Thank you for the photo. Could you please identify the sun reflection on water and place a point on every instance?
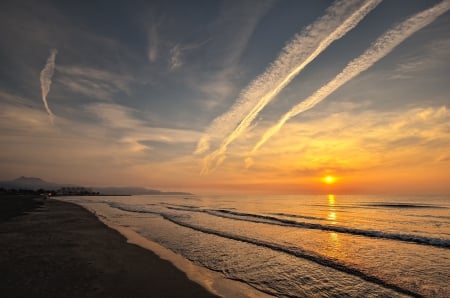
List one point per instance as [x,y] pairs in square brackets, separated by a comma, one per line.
[334,237]
[331,200]
[334,243]
[334,248]
[332,215]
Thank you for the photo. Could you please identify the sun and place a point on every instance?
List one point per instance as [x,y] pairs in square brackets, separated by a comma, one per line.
[329,179]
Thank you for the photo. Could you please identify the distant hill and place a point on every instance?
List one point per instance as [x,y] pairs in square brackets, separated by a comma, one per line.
[32,183]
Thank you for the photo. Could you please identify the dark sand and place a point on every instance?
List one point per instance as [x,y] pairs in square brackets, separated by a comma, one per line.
[62,250]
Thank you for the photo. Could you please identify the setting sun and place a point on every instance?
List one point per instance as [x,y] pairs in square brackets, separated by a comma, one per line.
[329,179]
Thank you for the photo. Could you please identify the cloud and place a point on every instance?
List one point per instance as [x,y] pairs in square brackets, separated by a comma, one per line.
[20,117]
[153,43]
[340,18]
[215,75]
[46,81]
[123,122]
[432,56]
[114,115]
[175,58]
[215,88]
[177,52]
[72,144]
[355,140]
[105,146]
[380,48]
[232,30]
[95,83]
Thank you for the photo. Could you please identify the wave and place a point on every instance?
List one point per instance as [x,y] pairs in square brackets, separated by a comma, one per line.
[265,219]
[438,242]
[402,205]
[176,205]
[257,218]
[192,198]
[429,216]
[297,216]
[131,208]
[387,205]
[297,252]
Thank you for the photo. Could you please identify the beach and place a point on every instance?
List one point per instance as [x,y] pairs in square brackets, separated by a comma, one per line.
[59,249]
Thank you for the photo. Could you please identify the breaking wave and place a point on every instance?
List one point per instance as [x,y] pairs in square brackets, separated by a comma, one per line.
[266,219]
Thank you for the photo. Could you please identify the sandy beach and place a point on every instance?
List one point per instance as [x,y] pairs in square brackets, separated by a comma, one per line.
[59,249]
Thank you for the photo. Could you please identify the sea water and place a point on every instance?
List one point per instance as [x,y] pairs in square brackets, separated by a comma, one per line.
[300,246]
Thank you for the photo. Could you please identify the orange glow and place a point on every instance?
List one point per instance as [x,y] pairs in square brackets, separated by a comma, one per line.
[331,200]
[329,179]
[332,211]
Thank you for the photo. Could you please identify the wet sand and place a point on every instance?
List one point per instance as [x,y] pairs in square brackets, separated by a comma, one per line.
[61,250]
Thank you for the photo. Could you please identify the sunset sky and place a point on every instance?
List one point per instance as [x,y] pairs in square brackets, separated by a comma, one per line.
[228,96]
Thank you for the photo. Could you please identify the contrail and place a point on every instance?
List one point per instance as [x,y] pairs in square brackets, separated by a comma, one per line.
[46,80]
[303,49]
[380,48]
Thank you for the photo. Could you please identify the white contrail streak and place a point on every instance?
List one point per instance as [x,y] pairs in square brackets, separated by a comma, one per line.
[46,80]
[302,50]
[380,48]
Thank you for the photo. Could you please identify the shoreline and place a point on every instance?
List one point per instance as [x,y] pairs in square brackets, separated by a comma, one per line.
[61,249]
[213,281]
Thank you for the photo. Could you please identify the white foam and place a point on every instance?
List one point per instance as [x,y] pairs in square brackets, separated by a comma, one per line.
[214,282]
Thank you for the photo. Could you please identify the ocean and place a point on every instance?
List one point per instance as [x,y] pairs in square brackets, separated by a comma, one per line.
[296,245]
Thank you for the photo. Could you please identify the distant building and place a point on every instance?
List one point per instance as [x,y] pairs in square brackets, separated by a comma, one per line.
[75,191]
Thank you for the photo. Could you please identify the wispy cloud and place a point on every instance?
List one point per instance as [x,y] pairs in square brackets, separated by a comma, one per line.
[20,117]
[128,128]
[234,28]
[339,18]
[46,81]
[380,48]
[355,139]
[153,42]
[434,54]
[175,58]
[116,137]
[214,75]
[114,115]
[177,52]
[95,83]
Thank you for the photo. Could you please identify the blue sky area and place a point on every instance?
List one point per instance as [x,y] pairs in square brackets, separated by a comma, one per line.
[186,95]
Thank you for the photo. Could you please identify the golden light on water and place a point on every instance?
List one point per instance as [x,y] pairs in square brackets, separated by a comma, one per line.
[331,200]
[334,236]
[332,216]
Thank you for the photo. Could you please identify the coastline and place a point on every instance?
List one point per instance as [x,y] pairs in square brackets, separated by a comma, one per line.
[213,281]
[62,250]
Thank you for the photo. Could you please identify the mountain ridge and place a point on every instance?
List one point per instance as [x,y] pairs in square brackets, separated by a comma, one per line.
[35,183]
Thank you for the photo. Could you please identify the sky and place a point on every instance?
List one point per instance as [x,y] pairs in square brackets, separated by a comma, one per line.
[260,96]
